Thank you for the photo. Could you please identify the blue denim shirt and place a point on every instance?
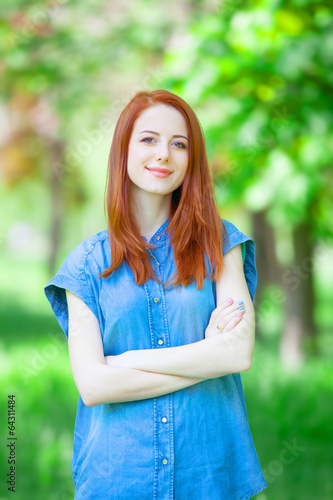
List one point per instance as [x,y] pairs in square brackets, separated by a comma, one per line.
[191,444]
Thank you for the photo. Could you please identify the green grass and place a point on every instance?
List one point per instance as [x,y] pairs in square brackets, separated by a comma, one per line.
[34,365]
[290,413]
[290,418]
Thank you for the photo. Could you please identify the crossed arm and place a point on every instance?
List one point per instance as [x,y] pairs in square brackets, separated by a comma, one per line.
[148,373]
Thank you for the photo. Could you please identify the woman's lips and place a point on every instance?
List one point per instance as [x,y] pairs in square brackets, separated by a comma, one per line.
[159,172]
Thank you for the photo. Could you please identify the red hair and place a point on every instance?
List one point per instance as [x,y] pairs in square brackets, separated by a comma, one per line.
[195,226]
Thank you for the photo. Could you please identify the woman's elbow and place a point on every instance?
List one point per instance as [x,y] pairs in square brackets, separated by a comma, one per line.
[246,364]
[242,351]
[88,399]
[92,398]
[95,391]
[247,356]
[87,402]
[89,392]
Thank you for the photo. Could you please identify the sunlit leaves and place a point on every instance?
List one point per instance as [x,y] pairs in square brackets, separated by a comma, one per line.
[267,110]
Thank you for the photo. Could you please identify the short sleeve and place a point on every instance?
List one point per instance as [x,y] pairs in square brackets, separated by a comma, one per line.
[232,237]
[73,276]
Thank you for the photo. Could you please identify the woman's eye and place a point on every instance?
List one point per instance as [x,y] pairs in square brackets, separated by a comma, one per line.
[179,144]
[148,140]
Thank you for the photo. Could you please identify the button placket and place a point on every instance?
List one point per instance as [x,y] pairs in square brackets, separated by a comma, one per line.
[164,445]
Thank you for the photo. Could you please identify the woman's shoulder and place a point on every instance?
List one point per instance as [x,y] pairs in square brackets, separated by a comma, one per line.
[89,256]
[78,274]
[233,236]
[229,228]
[91,245]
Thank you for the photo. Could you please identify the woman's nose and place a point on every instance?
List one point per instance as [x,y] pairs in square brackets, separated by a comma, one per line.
[162,153]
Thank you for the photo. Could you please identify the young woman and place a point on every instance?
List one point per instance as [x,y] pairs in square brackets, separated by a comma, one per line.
[159,319]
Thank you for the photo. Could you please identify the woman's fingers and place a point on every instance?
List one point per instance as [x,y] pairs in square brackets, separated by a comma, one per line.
[225,317]
[228,315]
[233,322]
[226,308]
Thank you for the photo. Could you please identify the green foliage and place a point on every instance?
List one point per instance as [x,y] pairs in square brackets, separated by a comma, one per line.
[260,76]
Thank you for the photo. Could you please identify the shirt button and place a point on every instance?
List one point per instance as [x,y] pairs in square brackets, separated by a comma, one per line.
[156,300]
[157,238]
[160,341]
[164,419]
[165,461]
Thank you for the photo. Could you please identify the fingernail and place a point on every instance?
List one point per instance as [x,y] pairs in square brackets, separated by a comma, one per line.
[240,302]
[229,301]
[241,308]
[239,315]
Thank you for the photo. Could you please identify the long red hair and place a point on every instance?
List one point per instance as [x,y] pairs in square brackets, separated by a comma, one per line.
[195,227]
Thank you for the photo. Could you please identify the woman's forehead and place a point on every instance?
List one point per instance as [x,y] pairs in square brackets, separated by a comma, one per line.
[162,117]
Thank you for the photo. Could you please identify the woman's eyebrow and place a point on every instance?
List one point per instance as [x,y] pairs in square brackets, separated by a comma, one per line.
[156,133]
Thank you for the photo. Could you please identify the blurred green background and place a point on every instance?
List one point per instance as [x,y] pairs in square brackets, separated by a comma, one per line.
[259,75]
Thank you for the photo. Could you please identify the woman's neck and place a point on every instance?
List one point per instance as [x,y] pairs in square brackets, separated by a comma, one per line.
[150,213]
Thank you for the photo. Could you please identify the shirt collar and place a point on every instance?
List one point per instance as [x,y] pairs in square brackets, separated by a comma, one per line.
[161,234]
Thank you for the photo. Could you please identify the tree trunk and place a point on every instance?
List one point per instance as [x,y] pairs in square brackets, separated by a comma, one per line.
[56,179]
[298,282]
[267,264]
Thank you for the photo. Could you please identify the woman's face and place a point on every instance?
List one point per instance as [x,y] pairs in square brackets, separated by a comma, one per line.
[158,151]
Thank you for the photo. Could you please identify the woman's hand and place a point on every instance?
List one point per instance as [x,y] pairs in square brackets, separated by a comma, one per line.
[225,317]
